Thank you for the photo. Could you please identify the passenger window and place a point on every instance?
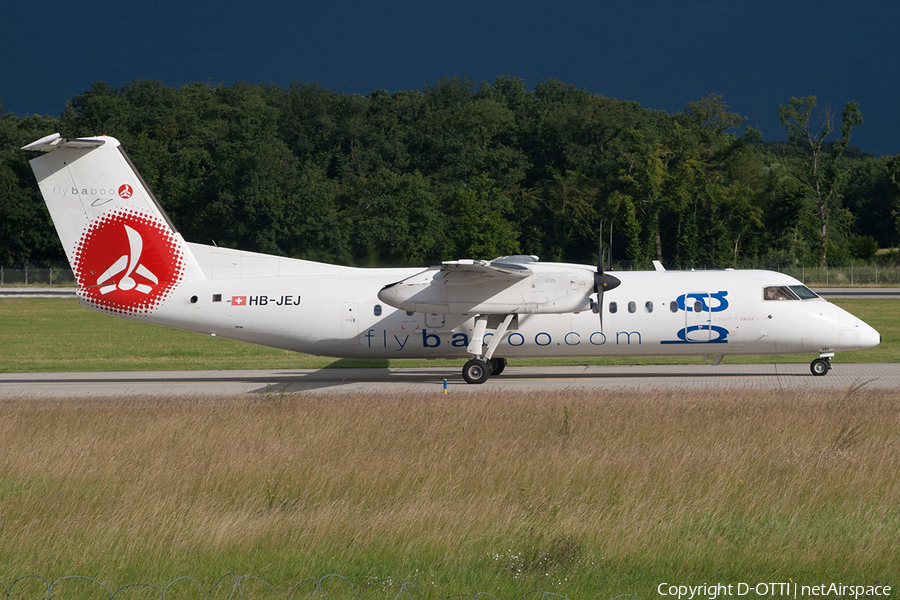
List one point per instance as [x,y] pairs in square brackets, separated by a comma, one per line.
[649,306]
[673,306]
[698,306]
[377,310]
[613,307]
[632,306]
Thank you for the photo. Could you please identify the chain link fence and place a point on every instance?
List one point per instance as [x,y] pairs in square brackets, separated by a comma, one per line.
[36,276]
[815,276]
[854,275]
[863,274]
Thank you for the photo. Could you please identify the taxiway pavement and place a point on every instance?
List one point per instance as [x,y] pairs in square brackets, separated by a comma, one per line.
[201,384]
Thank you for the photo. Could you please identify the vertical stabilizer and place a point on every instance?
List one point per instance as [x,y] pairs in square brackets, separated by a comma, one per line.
[126,255]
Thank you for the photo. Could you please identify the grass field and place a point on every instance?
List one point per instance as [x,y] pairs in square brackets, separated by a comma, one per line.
[55,335]
[580,495]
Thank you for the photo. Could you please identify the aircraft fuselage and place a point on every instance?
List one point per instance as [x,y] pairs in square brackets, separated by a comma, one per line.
[131,262]
[341,315]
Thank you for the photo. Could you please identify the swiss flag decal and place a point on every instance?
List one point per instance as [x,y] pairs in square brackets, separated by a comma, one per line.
[239,300]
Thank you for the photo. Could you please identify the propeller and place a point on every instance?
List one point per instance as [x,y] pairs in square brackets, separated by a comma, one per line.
[602,281]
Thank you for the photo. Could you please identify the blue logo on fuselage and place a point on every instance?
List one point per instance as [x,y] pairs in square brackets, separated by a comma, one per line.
[721,333]
[721,305]
[687,303]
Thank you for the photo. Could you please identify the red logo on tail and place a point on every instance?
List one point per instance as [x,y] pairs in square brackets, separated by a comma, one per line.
[125,191]
[127,262]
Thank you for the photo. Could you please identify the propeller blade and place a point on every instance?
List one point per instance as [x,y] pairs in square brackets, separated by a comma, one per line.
[602,281]
[600,307]
[598,284]
[600,251]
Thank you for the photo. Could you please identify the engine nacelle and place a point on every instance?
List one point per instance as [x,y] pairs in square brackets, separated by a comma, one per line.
[549,288]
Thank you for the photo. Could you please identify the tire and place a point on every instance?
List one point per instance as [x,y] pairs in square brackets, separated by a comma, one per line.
[819,367]
[476,371]
[497,365]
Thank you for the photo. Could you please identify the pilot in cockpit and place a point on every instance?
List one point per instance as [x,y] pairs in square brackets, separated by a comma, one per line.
[776,293]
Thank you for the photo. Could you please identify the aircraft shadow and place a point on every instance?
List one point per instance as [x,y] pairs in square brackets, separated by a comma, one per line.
[326,378]
[361,379]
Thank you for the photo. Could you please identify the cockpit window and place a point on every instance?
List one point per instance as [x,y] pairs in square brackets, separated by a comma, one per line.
[804,292]
[788,292]
[779,292]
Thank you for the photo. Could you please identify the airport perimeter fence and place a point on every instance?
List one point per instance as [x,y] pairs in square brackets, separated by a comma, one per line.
[28,275]
[234,586]
[853,275]
[862,274]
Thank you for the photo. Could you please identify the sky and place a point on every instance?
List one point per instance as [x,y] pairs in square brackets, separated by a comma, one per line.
[756,54]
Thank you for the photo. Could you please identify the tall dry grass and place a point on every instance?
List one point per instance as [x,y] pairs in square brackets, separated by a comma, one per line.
[502,492]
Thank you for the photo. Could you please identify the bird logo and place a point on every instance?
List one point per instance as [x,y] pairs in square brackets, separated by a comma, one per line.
[130,263]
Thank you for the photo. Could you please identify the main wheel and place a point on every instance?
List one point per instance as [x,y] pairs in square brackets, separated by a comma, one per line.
[476,371]
[497,365]
[819,367]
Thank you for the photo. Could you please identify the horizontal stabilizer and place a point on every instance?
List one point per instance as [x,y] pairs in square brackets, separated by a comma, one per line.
[54,141]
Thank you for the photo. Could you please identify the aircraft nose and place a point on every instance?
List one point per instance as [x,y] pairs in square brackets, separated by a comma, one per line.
[868,337]
[856,333]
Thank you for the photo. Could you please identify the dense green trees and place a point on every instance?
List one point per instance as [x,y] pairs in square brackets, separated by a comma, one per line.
[25,231]
[462,170]
[813,163]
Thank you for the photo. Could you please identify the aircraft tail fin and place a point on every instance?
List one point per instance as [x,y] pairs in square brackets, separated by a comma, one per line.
[126,254]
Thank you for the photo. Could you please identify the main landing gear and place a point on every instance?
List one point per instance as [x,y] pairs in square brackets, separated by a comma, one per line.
[820,366]
[478,370]
[497,365]
[484,365]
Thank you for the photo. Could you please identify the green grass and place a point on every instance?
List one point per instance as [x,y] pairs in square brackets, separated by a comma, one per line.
[582,495]
[59,335]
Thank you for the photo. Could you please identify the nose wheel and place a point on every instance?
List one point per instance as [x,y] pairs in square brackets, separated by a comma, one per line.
[820,366]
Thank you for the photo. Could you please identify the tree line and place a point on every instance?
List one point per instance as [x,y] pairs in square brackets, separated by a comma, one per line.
[466,170]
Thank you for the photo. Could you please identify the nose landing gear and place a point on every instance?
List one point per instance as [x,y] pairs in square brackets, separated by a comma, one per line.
[820,366]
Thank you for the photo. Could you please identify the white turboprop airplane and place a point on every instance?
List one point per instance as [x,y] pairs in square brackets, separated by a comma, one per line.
[130,261]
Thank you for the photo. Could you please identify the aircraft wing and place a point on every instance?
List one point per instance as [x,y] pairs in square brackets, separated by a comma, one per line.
[466,272]
[510,284]
[459,287]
